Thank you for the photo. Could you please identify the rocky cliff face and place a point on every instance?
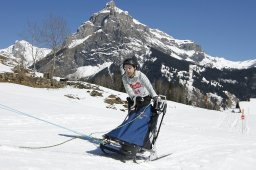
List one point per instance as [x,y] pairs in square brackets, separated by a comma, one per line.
[111,35]
[96,50]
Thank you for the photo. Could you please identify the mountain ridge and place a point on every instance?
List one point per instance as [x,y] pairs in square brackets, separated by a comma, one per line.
[179,69]
[21,53]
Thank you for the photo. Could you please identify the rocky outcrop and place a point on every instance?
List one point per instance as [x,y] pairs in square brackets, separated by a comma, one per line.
[179,69]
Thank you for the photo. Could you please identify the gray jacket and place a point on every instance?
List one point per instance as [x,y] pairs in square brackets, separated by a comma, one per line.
[139,85]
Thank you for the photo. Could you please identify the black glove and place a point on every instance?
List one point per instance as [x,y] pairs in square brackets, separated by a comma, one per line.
[157,102]
[129,100]
[139,99]
[155,99]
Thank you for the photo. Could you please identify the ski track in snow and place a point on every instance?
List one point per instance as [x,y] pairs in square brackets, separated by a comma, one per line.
[198,139]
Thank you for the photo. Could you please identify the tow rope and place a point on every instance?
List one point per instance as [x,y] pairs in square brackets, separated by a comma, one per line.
[88,137]
[81,135]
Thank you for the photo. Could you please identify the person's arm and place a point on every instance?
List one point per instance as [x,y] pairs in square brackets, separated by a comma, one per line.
[148,85]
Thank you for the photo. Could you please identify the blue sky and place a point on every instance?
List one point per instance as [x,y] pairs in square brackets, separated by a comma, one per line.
[223,28]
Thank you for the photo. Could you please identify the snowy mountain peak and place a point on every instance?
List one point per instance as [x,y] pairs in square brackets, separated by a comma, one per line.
[112,34]
[23,51]
[111,4]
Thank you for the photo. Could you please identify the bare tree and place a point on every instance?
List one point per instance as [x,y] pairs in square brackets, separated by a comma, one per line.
[33,36]
[53,33]
[21,62]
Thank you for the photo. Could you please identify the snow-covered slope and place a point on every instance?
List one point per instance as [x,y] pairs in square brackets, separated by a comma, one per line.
[220,63]
[198,139]
[248,106]
[4,68]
